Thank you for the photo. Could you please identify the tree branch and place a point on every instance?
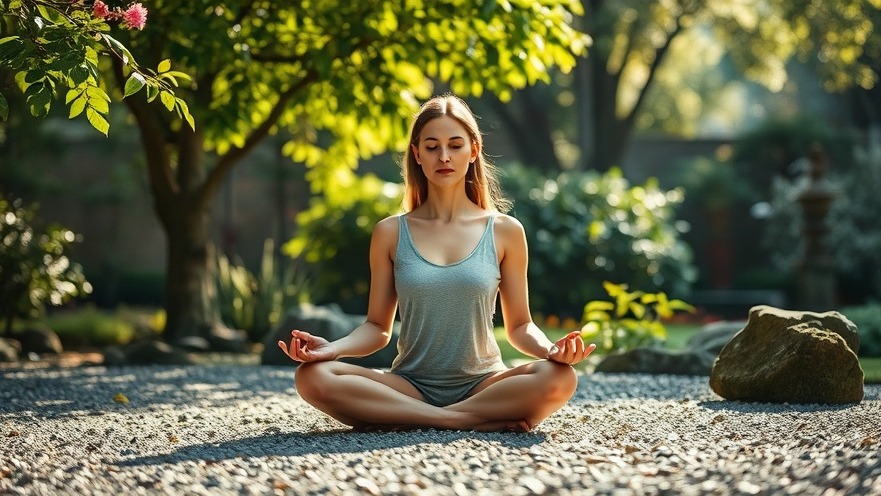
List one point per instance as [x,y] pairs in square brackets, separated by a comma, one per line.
[660,55]
[231,158]
[152,135]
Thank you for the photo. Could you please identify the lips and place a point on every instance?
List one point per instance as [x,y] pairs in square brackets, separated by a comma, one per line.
[444,171]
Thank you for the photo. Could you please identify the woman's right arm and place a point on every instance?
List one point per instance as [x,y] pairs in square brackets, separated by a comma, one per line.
[375,333]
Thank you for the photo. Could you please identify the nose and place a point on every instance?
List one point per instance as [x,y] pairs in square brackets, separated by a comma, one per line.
[445,155]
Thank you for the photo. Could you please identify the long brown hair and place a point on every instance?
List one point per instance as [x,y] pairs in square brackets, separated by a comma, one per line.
[481,181]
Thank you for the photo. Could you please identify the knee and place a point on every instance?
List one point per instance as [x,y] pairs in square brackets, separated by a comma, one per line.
[311,380]
[560,379]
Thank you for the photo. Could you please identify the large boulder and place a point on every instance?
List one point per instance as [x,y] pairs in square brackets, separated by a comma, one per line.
[329,322]
[789,356]
[658,361]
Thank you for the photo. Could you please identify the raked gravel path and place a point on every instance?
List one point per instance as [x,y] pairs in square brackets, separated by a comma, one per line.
[243,430]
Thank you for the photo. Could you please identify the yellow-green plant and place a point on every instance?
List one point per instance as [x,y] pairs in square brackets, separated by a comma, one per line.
[631,319]
[255,303]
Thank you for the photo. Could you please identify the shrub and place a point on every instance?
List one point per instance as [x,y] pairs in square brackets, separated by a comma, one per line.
[632,319]
[34,266]
[867,318]
[333,239]
[585,226]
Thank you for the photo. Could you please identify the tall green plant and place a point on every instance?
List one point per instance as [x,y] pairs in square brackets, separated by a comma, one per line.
[631,319]
[35,270]
[255,303]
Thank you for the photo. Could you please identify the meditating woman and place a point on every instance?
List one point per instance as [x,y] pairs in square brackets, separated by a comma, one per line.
[443,263]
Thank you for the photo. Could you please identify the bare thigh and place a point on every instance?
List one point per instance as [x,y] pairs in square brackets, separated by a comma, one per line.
[528,368]
[312,372]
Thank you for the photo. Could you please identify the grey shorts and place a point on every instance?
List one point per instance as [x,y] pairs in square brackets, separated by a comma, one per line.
[440,392]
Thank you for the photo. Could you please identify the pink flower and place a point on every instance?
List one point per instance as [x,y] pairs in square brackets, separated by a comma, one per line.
[135,17]
[100,10]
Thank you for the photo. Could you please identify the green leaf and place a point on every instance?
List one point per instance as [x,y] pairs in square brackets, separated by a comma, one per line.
[164,66]
[185,110]
[167,100]
[71,94]
[97,121]
[76,108]
[152,92]
[134,84]
[4,108]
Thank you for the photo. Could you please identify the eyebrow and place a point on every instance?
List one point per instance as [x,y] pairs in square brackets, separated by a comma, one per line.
[436,139]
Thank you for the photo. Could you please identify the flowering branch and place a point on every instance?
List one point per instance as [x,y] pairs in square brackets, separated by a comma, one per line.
[56,44]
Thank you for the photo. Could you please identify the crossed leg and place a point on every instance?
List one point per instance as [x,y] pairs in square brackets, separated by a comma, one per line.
[515,399]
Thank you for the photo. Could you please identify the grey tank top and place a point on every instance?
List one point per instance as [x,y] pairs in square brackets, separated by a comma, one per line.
[446,313]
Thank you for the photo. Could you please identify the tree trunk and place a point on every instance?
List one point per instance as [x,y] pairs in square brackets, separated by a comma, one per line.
[525,118]
[190,292]
[610,133]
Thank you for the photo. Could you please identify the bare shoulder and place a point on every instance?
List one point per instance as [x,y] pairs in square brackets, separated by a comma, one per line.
[385,232]
[508,227]
[510,235]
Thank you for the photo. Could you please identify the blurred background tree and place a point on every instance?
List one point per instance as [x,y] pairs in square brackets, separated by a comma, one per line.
[666,66]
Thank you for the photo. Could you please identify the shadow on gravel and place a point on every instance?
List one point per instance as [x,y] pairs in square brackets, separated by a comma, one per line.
[298,444]
[54,393]
[750,407]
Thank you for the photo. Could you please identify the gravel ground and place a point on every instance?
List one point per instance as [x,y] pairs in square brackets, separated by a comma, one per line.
[243,430]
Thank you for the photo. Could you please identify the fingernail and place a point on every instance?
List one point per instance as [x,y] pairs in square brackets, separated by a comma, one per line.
[553,350]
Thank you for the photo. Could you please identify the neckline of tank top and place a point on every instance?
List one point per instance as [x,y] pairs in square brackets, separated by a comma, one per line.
[470,255]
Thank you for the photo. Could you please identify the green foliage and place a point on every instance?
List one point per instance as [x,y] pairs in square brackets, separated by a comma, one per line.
[255,303]
[333,239]
[56,47]
[585,226]
[34,266]
[631,319]
[867,318]
[91,327]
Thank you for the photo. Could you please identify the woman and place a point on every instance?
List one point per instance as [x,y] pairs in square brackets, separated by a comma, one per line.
[443,263]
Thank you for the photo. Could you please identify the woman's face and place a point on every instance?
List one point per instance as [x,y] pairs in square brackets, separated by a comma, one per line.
[445,150]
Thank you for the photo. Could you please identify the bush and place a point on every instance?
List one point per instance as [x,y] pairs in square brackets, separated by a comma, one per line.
[34,267]
[585,227]
[333,239]
[867,318]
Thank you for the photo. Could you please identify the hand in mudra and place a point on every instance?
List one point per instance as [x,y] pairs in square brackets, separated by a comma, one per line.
[305,347]
[570,349]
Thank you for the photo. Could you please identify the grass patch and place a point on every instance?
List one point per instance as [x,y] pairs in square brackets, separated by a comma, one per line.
[871,369]
[89,326]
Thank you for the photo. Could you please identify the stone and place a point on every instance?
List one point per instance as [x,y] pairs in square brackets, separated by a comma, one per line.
[40,341]
[147,352]
[329,322]
[790,356]
[9,349]
[657,361]
[225,339]
[714,336]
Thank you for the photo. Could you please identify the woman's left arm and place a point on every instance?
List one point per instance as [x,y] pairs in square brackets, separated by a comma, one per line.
[522,332]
